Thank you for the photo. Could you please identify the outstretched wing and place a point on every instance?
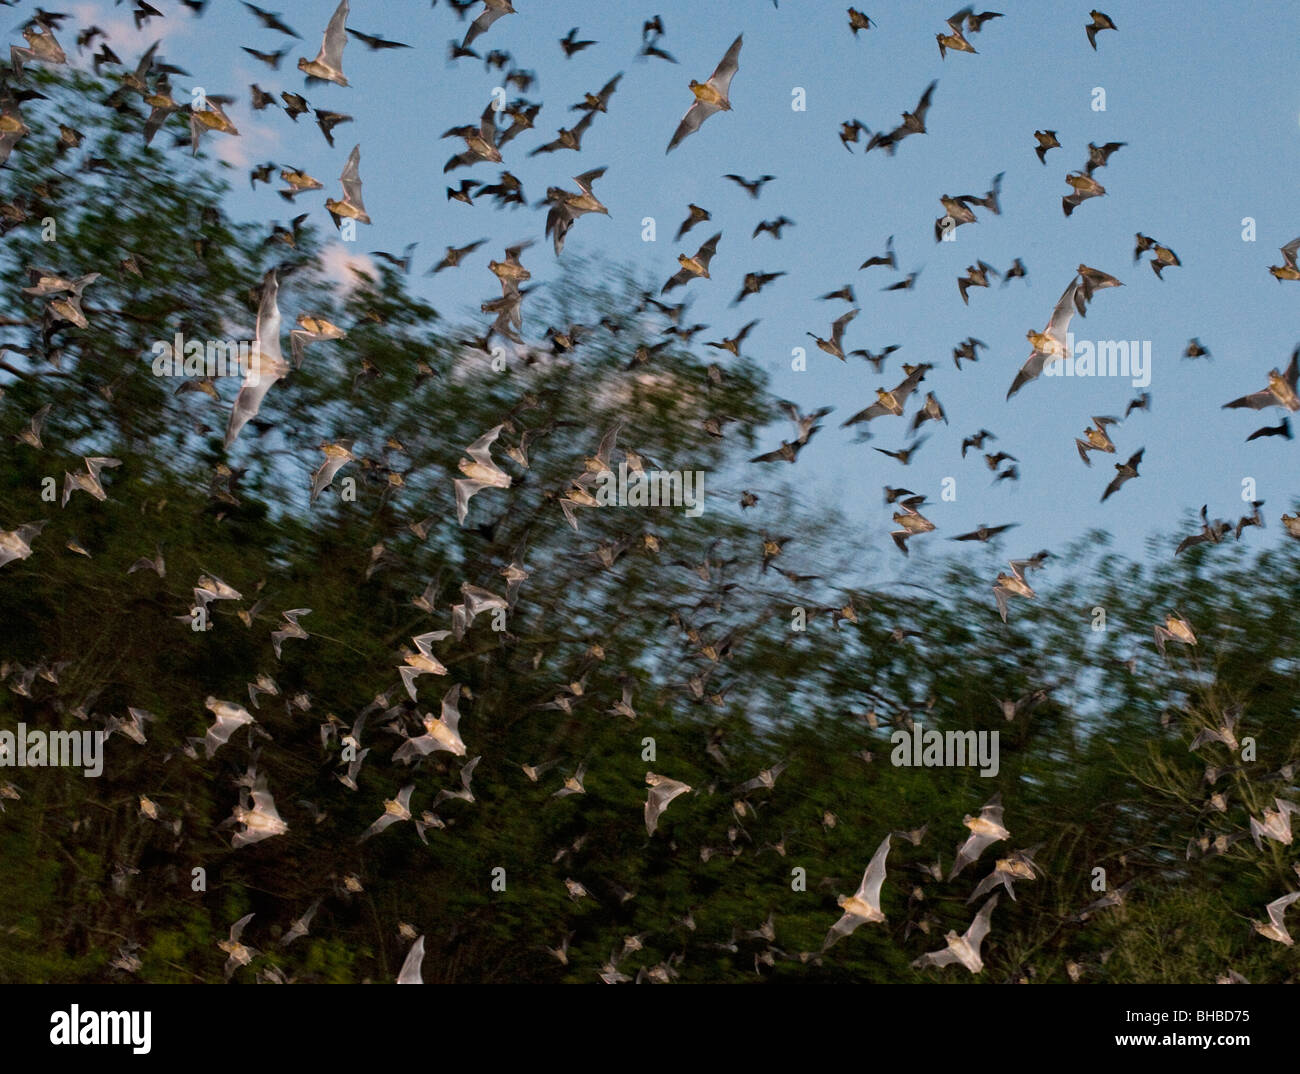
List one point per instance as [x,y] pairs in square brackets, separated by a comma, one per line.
[726,70]
[1029,371]
[1001,598]
[691,121]
[991,881]
[585,180]
[974,846]
[351,179]
[237,929]
[478,451]
[656,802]
[705,253]
[414,957]
[482,24]
[1062,314]
[264,804]
[843,927]
[936,958]
[267,364]
[1113,487]
[979,928]
[450,709]
[379,825]
[331,50]
[875,410]
[922,107]
[837,329]
[993,807]
[909,385]
[874,877]
[677,279]
[1292,374]
[1276,909]
[1255,401]
[1256,829]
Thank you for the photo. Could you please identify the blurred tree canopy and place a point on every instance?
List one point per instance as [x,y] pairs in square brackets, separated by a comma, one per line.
[731,665]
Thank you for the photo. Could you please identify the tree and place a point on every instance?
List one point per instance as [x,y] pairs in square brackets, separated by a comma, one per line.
[731,665]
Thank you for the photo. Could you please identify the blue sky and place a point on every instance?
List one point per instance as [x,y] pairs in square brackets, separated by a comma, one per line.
[1212,124]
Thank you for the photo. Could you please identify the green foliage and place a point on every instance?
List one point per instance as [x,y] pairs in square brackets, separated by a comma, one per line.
[1098,775]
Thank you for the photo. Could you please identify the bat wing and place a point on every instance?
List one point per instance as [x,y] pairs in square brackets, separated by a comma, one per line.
[1255,401]
[351,178]
[607,91]
[1276,909]
[705,253]
[1001,597]
[993,808]
[29,531]
[585,180]
[410,973]
[988,884]
[936,958]
[424,642]
[874,877]
[237,929]
[324,476]
[478,451]
[955,22]
[923,105]
[904,390]
[970,851]
[414,747]
[263,803]
[607,442]
[843,927]
[1292,373]
[1113,487]
[1062,314]
[677,279]
[481,25]
[451,710]
[979,928]
[691,122]
[727,68]
[1029,371]
[331,51]
[656,803]
[875,410]
[379,825]
[268,364]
